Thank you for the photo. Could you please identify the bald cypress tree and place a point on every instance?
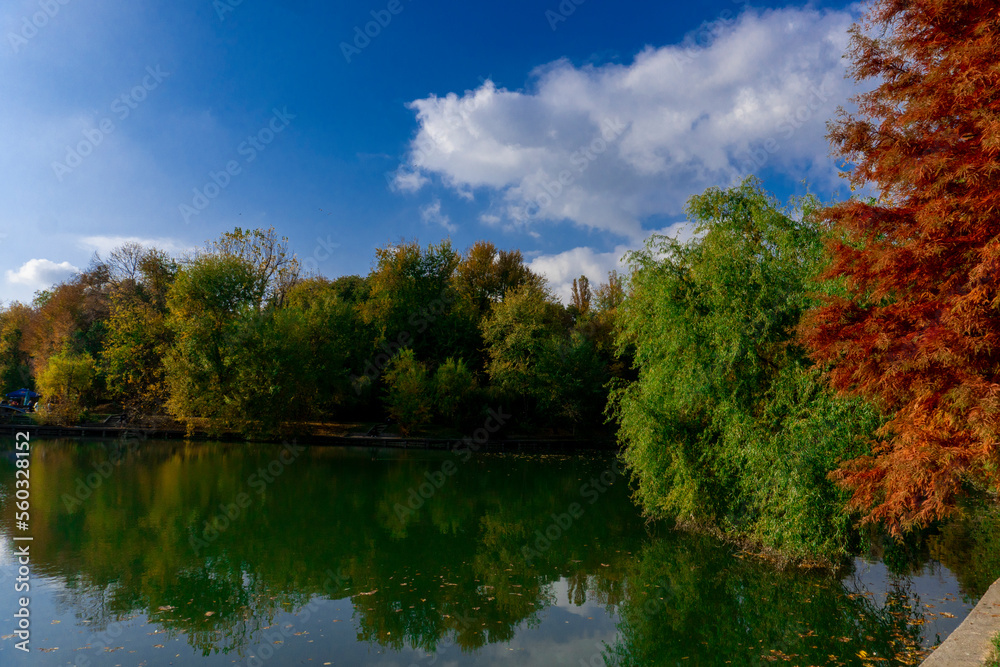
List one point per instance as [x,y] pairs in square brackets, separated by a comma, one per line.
[916,325]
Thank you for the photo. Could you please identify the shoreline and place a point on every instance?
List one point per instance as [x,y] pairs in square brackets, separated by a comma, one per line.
[971,643]
[100,432]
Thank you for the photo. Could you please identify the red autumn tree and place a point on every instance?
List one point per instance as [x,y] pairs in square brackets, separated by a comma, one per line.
[917,325]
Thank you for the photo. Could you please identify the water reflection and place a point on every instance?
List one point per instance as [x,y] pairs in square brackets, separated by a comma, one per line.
[223,546]
[691,600]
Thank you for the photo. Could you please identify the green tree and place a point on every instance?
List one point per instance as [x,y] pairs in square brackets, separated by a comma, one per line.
[210,303]
[540,362]
[409,392]
[138,337]
[336,341]
[728,424]
[522,333]
[610,295]
[486,274]
[582,296]
[412,296]
[271,388]
[275,268]
[455,392]
[237,352]
[65,384]
[351,289]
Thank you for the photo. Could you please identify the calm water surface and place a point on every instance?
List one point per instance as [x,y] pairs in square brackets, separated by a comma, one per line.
[219,554]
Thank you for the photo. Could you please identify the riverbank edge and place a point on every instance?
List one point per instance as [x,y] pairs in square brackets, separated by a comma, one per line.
[749,546]
[541,445]
[971,644]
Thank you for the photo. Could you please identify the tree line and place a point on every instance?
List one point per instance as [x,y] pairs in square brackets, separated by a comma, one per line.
[234,338]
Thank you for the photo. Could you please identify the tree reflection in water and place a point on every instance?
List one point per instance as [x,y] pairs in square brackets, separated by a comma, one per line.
[451,572]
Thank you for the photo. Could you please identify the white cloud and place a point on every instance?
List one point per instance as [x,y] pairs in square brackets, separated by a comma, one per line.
[562,268]
[40,274]
[409,180]
[105,244]
[631,142]
[431,214]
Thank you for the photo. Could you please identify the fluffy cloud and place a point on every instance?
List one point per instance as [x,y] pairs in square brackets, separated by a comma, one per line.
[607,147]
[40,274]
[562,268]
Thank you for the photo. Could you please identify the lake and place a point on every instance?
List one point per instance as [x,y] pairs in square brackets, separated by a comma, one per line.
[168,553]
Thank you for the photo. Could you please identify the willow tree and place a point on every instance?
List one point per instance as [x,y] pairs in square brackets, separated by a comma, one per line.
[728,425]
[916,327]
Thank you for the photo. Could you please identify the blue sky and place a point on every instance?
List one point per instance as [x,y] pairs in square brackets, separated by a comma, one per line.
[570,131]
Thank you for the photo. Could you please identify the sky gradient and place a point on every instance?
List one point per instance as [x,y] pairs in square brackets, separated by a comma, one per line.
[570,131]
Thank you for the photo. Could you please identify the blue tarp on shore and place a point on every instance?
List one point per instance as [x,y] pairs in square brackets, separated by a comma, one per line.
[22,393]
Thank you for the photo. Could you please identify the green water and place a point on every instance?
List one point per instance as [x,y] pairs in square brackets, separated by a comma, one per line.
[161,553]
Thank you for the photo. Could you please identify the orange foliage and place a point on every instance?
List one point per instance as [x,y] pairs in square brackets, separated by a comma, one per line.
[918,325]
